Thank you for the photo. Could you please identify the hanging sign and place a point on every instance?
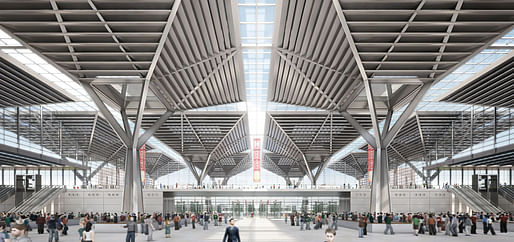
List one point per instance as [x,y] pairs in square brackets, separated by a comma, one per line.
[257,160]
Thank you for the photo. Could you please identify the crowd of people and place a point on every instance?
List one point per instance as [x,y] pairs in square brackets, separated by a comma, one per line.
[450,224]
[16,226]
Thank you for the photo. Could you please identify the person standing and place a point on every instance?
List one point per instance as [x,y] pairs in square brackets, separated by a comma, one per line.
[361,227]
[19,233]
[431,225]
[40,221]
[473,224]
[167,229]
[215,218]
[3,234]
[231,233]
[52,229]
[176,219]
[334,221]
[131,230]
[193,221]
[503,223]
[330,235]
[389,227]
[484,224]
[365,231]
[88,235]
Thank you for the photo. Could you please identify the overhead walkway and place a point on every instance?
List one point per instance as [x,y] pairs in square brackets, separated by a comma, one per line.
[507,192]
[474,200]
[6,192]
[37,201]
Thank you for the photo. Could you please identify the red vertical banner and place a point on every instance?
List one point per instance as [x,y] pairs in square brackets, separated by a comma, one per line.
[371,158]
[256,160]
[142,162]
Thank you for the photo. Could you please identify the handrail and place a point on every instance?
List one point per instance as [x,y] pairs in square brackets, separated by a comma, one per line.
[473,199]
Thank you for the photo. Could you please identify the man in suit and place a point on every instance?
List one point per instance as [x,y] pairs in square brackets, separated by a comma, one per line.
[231,233]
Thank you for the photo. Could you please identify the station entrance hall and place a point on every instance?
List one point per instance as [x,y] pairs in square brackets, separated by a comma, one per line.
[256,120]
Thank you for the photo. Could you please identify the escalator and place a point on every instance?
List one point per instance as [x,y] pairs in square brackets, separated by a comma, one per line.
[6,192]
[37,201]
[474,200]
[507,192]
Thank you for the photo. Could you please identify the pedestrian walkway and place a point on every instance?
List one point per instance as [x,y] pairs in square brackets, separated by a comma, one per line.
[270,230]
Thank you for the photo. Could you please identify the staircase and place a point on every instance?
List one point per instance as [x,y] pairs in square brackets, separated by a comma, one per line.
[474,200]
[38,200]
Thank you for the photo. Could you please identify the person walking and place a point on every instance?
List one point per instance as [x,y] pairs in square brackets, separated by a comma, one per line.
[467,225]
[308,221]
[415,224]
[151,228]
[231,233]
[334,221]
[473,224]
[454,226]
[193,221]
[19,233]
[64,221]
[388,221]
[82,227]
[205,221]
[88,235]
[447,224]
[131,230]
[490,225]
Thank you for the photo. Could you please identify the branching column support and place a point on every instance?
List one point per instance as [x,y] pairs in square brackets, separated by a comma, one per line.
[380,140]
[132,191]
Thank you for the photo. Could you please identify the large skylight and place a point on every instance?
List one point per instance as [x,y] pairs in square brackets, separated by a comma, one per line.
[257,18]
[256,26]
[54,76]
[40,66]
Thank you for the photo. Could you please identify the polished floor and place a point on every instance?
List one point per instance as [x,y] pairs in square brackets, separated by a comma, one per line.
[260,229]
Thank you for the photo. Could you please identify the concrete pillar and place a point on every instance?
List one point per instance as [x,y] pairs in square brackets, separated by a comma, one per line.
[132,190]
[380,194]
